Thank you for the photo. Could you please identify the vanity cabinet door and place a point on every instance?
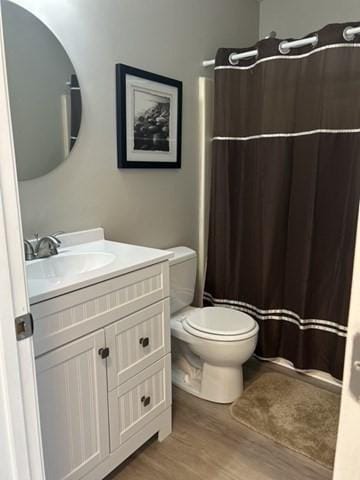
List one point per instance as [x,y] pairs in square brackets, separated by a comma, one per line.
[73,407]
[137,341]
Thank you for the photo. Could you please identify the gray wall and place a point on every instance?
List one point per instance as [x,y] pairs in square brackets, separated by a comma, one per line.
[38,69]
[169,37]
[296,18]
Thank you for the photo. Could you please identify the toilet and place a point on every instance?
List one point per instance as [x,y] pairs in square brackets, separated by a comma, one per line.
[210,344]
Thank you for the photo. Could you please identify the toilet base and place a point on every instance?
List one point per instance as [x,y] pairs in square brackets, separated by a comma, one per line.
[213,383]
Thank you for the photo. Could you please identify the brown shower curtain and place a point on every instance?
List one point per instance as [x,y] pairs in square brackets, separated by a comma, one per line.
[285,194]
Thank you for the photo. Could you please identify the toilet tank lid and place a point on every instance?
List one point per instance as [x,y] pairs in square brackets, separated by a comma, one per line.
[181,254]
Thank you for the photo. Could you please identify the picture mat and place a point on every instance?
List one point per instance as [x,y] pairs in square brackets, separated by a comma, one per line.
[153,88]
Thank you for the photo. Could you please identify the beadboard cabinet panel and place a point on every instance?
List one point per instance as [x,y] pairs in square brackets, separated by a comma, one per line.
[73,408]
[67,317]
[137,341]
[138,401]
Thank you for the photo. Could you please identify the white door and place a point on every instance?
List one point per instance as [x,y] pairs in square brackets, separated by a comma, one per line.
[347,460]
[73,407]
[20,440]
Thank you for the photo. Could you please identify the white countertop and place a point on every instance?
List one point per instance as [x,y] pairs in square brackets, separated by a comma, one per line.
[126,258]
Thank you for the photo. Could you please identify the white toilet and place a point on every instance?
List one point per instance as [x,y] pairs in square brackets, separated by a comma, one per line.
[209,344]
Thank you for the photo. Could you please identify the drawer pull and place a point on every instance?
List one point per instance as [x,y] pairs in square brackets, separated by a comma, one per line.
[104,352]
[145,400]
[144,341]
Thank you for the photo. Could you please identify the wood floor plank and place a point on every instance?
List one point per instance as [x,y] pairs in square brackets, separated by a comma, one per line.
[207,443]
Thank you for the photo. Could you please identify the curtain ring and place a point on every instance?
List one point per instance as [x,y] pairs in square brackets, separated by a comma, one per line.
[283,48]
[314,44]
[349,37]
[286,45]
[233,62]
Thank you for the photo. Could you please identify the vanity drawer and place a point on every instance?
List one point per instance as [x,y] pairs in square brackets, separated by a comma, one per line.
[138,401]
[67,317]
[137,341]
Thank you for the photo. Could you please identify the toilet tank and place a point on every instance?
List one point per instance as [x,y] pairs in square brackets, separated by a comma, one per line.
[182,278]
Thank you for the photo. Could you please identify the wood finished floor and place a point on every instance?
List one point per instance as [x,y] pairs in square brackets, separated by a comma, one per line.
[207,443]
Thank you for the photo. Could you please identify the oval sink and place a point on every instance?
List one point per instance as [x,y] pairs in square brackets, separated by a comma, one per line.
[67,265]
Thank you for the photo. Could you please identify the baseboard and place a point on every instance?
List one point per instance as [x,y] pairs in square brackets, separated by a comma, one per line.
[317,374]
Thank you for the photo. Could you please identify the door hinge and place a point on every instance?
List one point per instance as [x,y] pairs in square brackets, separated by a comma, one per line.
[354,384]
[24,326]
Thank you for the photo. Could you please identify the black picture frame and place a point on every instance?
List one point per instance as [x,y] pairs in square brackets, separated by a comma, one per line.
[161,150]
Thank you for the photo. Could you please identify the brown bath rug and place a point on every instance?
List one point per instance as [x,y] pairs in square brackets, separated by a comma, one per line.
[295,414]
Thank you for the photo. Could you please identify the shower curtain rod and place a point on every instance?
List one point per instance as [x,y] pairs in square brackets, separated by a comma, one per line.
[285,46]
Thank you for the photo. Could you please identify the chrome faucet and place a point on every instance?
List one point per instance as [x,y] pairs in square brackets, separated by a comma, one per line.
[44,247]
[47,246]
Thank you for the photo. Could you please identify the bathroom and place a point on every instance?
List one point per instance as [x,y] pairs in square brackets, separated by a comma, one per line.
[160,228]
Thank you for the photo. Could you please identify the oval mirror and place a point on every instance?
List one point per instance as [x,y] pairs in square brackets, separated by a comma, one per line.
[45,98]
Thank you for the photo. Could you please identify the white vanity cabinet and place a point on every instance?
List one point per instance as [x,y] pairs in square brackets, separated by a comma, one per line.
[103,369]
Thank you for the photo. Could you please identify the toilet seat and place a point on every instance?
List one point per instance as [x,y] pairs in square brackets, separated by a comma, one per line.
[221,324]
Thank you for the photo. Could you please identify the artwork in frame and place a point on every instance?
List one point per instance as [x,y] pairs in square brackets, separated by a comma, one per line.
[149,115]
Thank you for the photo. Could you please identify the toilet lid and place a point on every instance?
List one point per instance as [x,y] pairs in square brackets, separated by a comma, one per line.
[220,322]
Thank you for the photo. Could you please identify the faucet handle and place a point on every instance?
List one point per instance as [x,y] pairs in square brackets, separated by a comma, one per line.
[29,251]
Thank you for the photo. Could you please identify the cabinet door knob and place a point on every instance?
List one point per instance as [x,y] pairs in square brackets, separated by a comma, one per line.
[104,352]
[145,400]
[144,341]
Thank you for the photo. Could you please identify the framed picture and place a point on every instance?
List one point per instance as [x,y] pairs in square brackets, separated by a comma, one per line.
[149,113]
